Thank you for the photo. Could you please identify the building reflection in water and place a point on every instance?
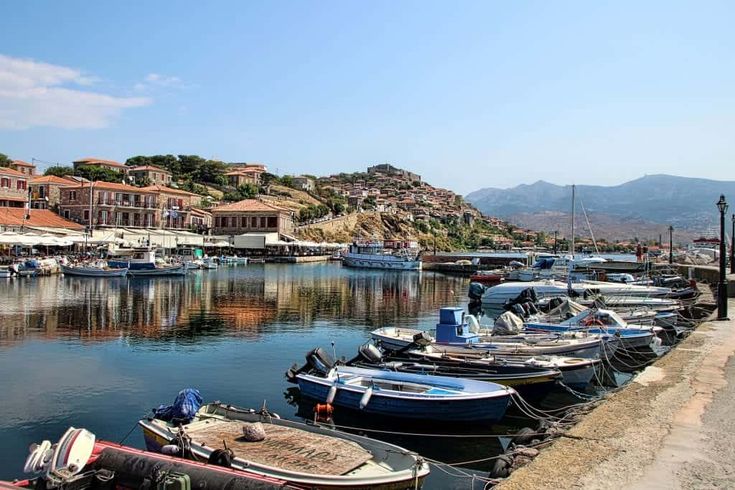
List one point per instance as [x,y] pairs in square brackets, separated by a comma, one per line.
[244,301]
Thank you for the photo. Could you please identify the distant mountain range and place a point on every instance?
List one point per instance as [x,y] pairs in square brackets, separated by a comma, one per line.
[644,207]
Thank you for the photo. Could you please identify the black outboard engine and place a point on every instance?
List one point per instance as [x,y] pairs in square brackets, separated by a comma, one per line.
[476,291]
[320,360]
[317,360]
[370,353]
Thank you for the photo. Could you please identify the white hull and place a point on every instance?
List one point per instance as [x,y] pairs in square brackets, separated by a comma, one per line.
[498,295]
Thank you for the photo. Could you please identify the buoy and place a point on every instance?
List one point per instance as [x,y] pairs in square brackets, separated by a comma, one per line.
[332,393]
[366,397]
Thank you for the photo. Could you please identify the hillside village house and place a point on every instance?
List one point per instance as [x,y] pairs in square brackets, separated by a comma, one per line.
[177,206]
[251,216]
[13,188]
[46,191]
[24,167]
[155,175]
[122,205]
[111,204]
[98,162]
[304,183]
[246,173]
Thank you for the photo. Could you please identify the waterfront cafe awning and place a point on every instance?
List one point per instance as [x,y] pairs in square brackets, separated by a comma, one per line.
[32,240]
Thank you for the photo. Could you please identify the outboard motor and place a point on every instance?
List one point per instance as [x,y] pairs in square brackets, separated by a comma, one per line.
[476,291]
[320,360]
[370,353]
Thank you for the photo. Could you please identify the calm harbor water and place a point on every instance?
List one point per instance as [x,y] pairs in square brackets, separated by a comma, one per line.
[100,354]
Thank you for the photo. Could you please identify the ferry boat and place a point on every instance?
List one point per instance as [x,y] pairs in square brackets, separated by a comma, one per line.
[387,255]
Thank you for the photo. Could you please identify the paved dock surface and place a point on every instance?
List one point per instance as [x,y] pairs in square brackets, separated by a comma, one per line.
[672,427]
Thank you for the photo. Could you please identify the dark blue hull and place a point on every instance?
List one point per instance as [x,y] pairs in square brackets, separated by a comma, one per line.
[490,409]
[133,266]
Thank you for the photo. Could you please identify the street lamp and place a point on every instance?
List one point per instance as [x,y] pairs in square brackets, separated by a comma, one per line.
[671,244]
[722,286]
[555,233]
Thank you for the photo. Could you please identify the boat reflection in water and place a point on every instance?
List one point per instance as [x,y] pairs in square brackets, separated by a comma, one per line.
[99,353]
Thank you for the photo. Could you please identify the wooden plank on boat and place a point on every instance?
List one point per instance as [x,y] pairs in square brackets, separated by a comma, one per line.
[284,447]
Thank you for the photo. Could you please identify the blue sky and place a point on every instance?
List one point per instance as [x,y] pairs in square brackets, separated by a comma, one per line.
[468,94]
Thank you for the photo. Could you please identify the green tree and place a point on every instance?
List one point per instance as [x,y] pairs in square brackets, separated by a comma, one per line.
[59,171]
[5,161]
[95,173]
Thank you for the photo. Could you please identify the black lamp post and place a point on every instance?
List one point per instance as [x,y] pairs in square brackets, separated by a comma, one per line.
[722,286]
[671,244]
[732,246]
[556,232]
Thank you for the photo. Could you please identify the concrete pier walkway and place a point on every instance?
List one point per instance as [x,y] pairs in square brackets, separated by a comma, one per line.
[673,426]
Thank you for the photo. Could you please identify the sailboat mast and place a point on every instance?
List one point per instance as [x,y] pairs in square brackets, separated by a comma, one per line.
[573,207]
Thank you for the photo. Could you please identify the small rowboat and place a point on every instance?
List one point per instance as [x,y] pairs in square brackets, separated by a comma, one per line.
[305,455]
[91,271]
[406,395]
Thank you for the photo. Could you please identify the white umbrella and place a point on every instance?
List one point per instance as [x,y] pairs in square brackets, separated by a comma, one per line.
[28,240]
[9,238]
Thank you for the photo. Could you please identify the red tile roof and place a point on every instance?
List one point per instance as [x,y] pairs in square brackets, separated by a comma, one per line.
[100,161]
[38,217]
[248,205]
[52,179]
[200,212]
[21,163]
[168,190]
[152,168]
[12,171]
[114,186]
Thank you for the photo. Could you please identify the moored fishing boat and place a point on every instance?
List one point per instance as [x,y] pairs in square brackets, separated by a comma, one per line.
[92,270]
[405,395]
[576,371]
[530,381]
[79,461]
[453,330]
[388,255]
[307,455]
[604,322]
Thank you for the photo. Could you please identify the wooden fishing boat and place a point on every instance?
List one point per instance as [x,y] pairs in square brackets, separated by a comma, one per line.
[301,454]
[80,461]
[530,381]
[405,395]
[92,271]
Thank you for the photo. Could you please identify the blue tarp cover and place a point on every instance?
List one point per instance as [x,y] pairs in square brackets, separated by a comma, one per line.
[186,405]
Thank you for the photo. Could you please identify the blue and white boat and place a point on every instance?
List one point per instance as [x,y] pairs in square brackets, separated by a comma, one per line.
[414,396]
[603,322]
[454,330]
[134,259]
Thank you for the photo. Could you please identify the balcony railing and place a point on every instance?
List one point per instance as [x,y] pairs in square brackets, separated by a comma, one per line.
[127,204]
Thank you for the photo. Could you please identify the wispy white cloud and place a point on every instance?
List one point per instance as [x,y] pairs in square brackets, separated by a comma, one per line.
[33,93]
[156,80]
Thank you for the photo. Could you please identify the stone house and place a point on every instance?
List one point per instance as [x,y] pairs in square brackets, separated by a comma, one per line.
[251,216]
[13,188]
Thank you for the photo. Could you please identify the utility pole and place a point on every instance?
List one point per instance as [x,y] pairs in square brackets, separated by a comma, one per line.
[671,244]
